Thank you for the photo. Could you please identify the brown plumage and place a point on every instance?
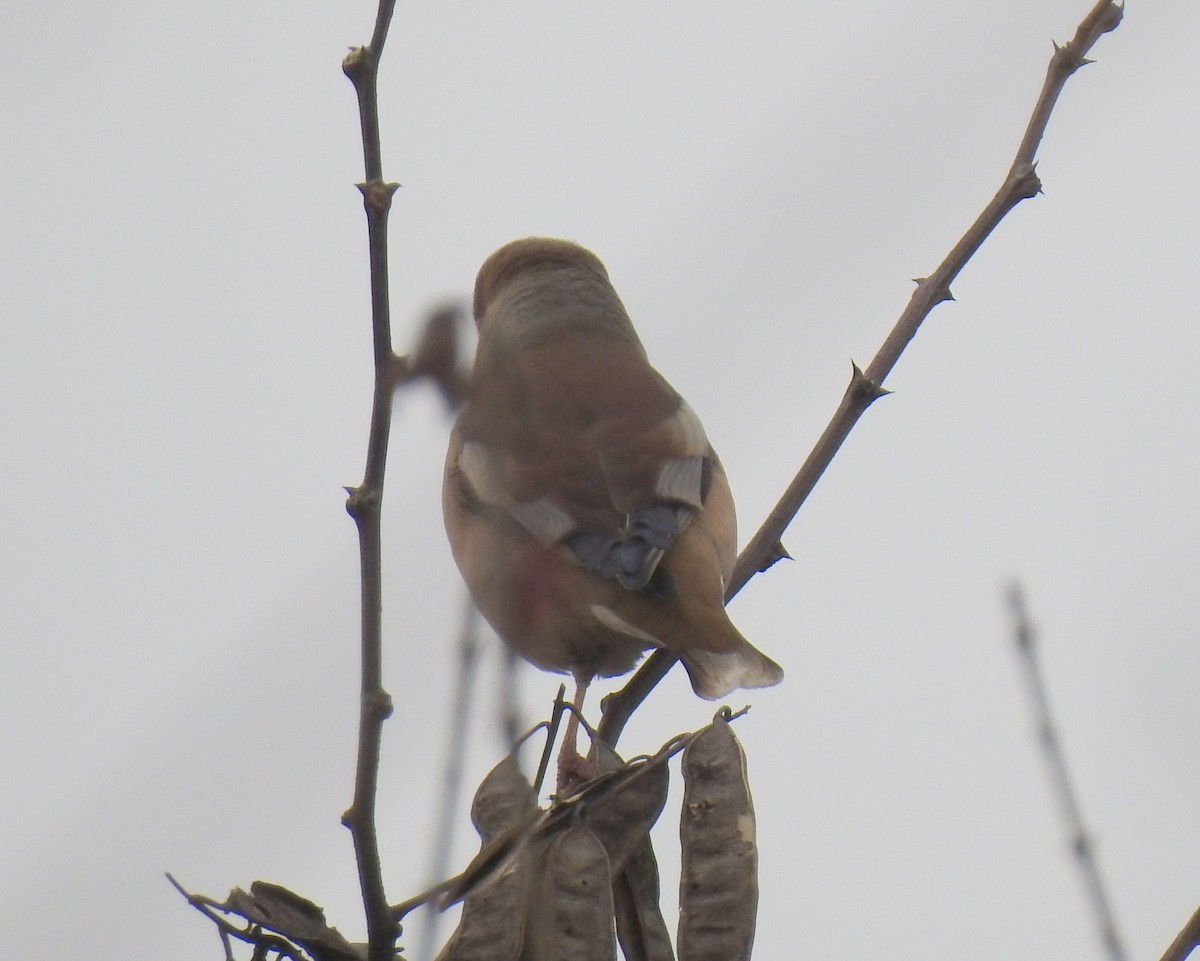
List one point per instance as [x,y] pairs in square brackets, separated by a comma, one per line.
[585,507]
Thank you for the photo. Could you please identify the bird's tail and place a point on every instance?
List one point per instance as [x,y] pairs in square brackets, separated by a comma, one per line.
[717,674]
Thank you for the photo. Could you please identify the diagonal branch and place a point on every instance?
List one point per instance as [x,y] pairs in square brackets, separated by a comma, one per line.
[1187,940]
[1021,183]
[361,65]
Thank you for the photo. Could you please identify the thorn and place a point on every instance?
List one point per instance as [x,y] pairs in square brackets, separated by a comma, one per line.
[940,294]
[777,553]
[943,294]
[360,501]
[354,61]
[400,370]
[1024,182]
[377,194]
[859,382]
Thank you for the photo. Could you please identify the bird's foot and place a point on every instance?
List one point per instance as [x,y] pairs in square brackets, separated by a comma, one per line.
[574,770]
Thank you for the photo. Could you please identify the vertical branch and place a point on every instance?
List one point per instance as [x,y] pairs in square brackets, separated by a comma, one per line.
[460,717]
[1081,844]
[510,713]
[364,503]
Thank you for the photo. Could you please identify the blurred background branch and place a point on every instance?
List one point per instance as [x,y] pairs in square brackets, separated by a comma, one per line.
[1060,780]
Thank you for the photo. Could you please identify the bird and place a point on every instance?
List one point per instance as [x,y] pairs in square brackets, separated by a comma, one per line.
[585,507]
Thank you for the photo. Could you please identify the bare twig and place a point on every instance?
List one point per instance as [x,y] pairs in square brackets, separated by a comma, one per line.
[1186,941]
[1021,183]
[560,705]
[361,66]
[510,714]
[1081,844]
[263,941]
[468,662]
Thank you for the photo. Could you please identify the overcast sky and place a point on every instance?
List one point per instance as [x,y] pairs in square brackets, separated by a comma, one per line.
[185,385]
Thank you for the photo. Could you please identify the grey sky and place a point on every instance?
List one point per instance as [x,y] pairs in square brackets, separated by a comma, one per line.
[186,386]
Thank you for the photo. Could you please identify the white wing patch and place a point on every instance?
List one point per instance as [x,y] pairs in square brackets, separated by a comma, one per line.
[695,441]
[682,480]
[544,519]
[616,623]
[477,464]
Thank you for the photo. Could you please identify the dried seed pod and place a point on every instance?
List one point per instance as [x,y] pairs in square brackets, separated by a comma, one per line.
[641,929]
[718,882]
[624,813]
[504,798]
[570,913]
[491,927]
[293,916]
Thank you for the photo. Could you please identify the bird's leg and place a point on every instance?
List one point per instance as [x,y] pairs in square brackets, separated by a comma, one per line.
[573,768]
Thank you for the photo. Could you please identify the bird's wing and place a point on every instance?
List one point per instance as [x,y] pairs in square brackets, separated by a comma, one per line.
[609,463]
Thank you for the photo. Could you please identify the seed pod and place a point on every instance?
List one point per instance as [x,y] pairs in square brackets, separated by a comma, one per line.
[718,882]
[571,909]
[503,799]
[641,929]
[491,927]
[624,813]
[298,919]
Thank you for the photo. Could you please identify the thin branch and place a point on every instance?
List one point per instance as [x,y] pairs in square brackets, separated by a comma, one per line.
[509,699]
[364,503]
[1081,843]
[456,750]
[252,934]
[1021,183]
[1186,941]
[560,705]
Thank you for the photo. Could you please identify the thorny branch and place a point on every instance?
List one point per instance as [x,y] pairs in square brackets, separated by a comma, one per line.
[1021,183]
[1186,941]
[361,65]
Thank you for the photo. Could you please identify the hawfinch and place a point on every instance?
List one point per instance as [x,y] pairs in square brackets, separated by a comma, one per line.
[585,507]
